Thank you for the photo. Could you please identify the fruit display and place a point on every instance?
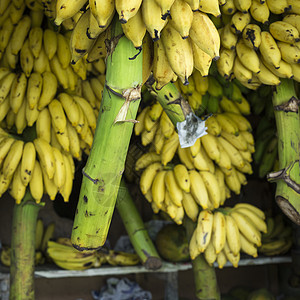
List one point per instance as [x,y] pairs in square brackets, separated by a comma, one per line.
[79,78]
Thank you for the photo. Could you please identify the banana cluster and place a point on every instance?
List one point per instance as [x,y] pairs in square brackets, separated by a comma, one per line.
[222,235]
[184,180]
[64,255]
[253,53]
[278,238]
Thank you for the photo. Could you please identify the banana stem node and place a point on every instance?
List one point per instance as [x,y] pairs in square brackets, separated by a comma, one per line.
[291,105]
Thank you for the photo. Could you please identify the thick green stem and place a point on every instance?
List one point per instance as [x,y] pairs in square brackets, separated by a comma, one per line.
[205,278]
[23,249]
[136,230]
[286,107]
[176,107]
[105,166]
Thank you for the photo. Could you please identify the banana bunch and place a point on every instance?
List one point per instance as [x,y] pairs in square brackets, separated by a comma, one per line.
[64,255]
[254,54]
[212,94]
[222,235]
[184,180]
[278,238]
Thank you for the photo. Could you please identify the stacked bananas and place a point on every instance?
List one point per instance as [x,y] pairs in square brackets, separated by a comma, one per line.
[255,53]
[48,106]
[184,180]
[221,235]
[184,35]
[64,255]
[278,238]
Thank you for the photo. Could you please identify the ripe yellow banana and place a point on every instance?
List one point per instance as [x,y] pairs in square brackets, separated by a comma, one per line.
[218,232]
[35,38]
[34,89]
[18,91]
[190,206]
[27,162]
[148,176]
[175,191]
[242,123]
[36,183]
[248,247]
[232,181]
[227,124]
[234,259]
[278,7]
[193,247]
[66,189]
[165,6]
[66,9]
[285,32]
[221,258]
[251,36]
[182,177]
[202,61]
[5,85]
[225,62]
[243,5]
[210,145]
[43,125]
[289,52]
[185,157]
[50,43]
[204,33]
[204,229]
[58,117]
[179,53]
[210,254]
[232,235]
[169,148]
[227,37]
[102,11]
[265,76]
[212,188]
[239,21]
[17,188]
[198,189]
[158,188]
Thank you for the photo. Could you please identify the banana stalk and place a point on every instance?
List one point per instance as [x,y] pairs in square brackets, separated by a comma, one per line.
[105,165]
[176,107]
[136,230]
[23,249]
[286,107]
[206,284]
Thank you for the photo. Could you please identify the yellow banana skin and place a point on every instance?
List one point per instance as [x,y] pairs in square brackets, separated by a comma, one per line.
[17,188]
[27,162]
[174,190]
[219,232]
[289,52]
[43,125]
[204,33]
[36,183]
[182,177]
[102,11]
[49,88]
[212,187]
[232,235]
[158,188]
[251,36]
[148,176]
[18,91]
[190,206]
[179,53]
[284,32]
[66,9]
[146,159]
[127,9]
[165,6]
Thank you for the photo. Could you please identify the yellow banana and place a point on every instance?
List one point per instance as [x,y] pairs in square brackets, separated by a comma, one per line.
[265,76]
[58,117]
[66,9]
[277,7]
[43,125]
[198,189]
[251,36]
[158,188]
[227,124]
[241,73]
[175,192]
[148,176]
[185,157]
[285,69]
[6,32]
[242,123]
[50,43]
[17,92]
[232,235]
[127,9]
[260,11]
[204,229]
[45,155]
[225,62]
[212,188]
[210,254]
[210,145]
[221,258]
[27,162]
[239,21]
[210,7]
[102,11]
[238,142]
[5,85]
[190,206]
[34,89]
[171,208]
[158,141]
[234,259]
[35,38]
[17,188]
[248,247]
[289,52]
[204,33]
[169,148]
[193,247]
[218,232]
[232,181]
[213,126]
[242,5]
[74,141]
[166,125]
[165,6]
[66,189]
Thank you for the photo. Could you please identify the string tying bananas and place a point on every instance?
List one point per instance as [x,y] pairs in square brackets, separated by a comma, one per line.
[221,235]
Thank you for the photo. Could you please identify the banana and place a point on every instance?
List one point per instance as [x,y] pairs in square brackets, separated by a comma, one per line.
[194,4]
[225,62]
[148,176]
[36,183]
[41,64]
[4,108]
[205,35]
[200,161]
[70,108]
[5,85]
[99,49]
[232,181]
[265,76]
[244,106]
[284,32]
[243,5]
[241,73]
[292,19]
[289,52]
[198,189]
[169,148]
[17,92]
[213,126]
[66,9]
[165,6]
[278,7]
[248,56]
[102,11]
[13,158]
[58,117]
[228,105]
[60,169]
[294,6]
[158,141]
[182,177]
[193,247]
[3,72]
[238,142]
[259,223]
[80,43]
[201,83]
[202,61]
[221,257]
[166,125]
[45,155]
[181,17]
[6,32]
[59,72]
[158,188]
[209,143]
[63,51]
[242,123]
[218,232]
[26,58]
[212,188]
[204,229]
[20,33]
[146,159]
[50,43]
[66,189]
[221,182]
[296,71]
[174,190]
[234,259]
[185,157]
[247,228]
[195,148]
[210,7]
[227,124]
[17,188]
[74,141]
[148,136]
[179,53]
[35,38]
[251,36]
[228,8]
[248,247]
[239,21]
[232,235]
[148,121]
[127,9]
[5,146]
[34,89]
[27,163]
[4,5]
[43,125]
[190,206]
[210,254]
[285,69]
